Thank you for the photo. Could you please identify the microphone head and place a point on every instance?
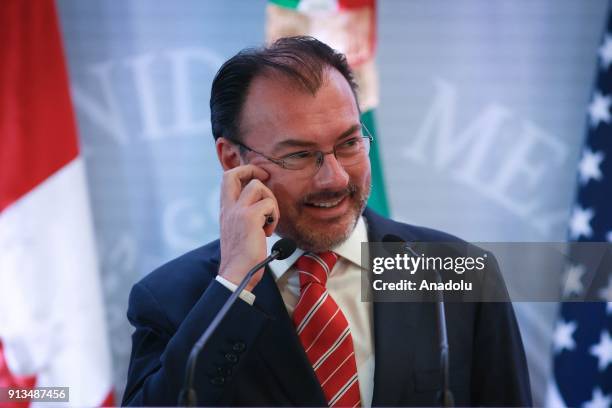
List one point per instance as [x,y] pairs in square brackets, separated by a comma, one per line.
[285,247]
[389,238]
[394,239]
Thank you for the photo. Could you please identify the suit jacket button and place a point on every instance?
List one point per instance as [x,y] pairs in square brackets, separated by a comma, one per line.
[239,347]
[231,357]
[217,381]
[224,371]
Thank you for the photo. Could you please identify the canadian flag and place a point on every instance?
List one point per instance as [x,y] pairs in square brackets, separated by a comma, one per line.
[52,325]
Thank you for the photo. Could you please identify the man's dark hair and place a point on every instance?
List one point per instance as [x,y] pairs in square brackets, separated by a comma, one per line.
[301,59]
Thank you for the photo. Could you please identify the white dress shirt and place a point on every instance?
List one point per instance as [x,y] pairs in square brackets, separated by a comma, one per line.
[344,285]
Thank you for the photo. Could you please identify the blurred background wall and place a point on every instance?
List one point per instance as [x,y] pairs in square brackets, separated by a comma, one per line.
[480,124]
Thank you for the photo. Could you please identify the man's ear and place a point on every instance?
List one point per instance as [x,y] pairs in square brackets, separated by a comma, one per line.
[228,153]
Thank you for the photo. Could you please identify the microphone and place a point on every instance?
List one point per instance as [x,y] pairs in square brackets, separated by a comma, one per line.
[445,397]
[282,249]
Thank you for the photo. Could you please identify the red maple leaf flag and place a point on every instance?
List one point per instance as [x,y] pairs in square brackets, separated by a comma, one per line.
[52,325]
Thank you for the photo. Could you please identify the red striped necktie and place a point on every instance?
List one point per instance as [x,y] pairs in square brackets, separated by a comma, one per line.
[325,333]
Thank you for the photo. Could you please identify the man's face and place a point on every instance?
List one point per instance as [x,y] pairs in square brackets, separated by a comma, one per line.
[317,210]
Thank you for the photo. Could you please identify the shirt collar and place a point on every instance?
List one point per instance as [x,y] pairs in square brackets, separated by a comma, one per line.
[349,249]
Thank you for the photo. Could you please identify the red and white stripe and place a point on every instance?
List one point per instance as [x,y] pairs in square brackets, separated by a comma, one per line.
[324,332]
[52,324]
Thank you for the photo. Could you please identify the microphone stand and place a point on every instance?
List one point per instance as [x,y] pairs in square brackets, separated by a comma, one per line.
[188,395]
[445,396]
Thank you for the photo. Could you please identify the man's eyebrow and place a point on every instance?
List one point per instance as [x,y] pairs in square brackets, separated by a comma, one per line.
[306,143]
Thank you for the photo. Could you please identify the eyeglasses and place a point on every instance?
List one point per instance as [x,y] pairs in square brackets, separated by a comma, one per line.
[349,152]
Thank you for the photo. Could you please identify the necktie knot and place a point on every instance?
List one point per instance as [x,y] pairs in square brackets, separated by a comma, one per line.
[315,268]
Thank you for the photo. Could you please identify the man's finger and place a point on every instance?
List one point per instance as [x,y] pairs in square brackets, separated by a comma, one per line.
[236,178]
[263,209]
[254,191]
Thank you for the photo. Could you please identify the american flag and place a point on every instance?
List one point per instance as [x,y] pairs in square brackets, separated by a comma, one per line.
[582,342]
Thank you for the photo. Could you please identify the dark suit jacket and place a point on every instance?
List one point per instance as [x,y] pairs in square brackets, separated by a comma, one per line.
[255,358]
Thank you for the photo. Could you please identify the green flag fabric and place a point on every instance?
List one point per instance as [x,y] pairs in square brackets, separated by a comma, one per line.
[378,197]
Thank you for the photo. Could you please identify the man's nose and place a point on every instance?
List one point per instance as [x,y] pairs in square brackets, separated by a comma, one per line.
[331,175]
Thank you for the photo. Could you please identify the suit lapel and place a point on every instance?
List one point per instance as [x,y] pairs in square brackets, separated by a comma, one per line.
[281,350]
[394,331]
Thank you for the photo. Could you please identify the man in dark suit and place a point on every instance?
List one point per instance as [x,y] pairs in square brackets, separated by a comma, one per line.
[286,124]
